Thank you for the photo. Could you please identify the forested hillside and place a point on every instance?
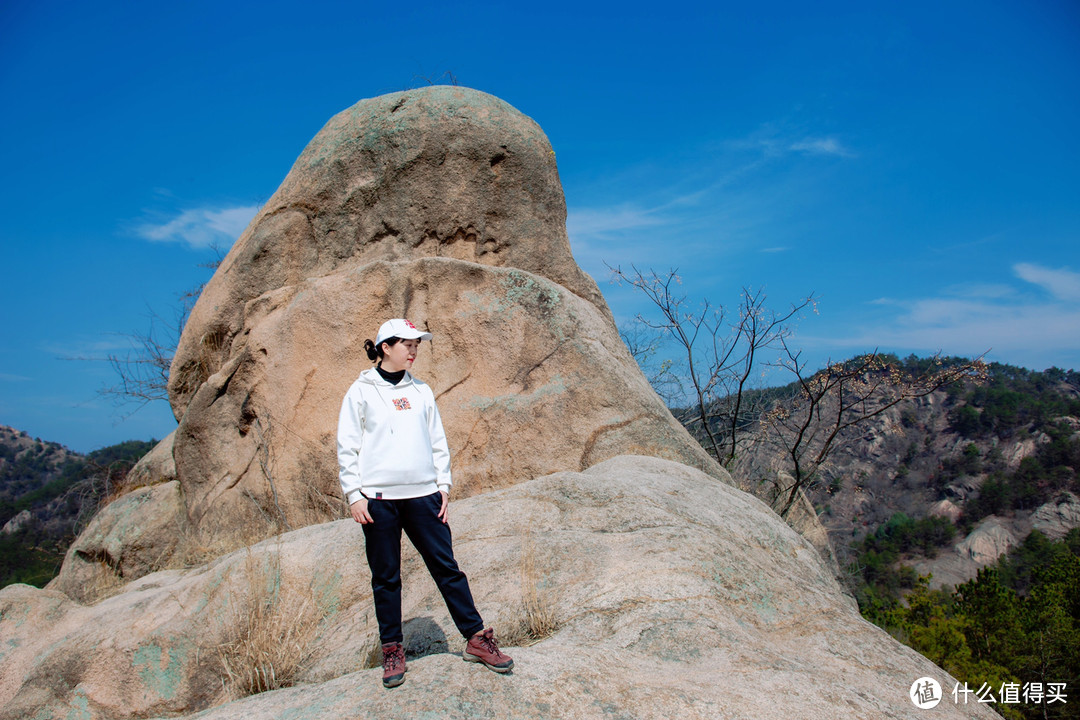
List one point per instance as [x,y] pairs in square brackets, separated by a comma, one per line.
[939,465]
[46,493]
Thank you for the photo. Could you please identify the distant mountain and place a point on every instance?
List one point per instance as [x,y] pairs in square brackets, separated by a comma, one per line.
[995,460]
[46,493]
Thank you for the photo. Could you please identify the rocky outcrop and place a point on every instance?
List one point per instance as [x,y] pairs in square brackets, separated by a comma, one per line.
[946,509]
[995,536]
[578,498]
[438,172]
[671,595]
[17,523]
[155,467]
[134,535]
[442,205]
[990,539]
[801,516]
[1055,519]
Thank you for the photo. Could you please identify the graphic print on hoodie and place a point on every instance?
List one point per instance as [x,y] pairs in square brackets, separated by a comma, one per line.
[391,440]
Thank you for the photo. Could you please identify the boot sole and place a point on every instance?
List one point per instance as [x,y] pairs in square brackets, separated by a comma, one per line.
[394,681]
[467,657]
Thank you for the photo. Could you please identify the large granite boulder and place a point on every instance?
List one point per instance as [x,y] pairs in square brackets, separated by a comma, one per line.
[135,534]
[132,536]
[666,593]
[437,172]
[155,467]
[442,205]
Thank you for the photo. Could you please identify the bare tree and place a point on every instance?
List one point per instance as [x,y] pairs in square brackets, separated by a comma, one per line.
[447,76]
[723,360]
[720,355]
[644,344]
[143,371]
[807,425]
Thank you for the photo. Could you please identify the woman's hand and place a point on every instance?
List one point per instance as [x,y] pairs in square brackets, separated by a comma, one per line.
[360,512]
[442,511]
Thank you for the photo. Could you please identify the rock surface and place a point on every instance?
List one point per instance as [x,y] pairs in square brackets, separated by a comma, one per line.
[132,536]
[1055,519]
[995,536]
[946,509]
[437,172]
[990,539]
[442,205]
[156,467]
[16,523]
[673,595]
[670,591]
[987,541]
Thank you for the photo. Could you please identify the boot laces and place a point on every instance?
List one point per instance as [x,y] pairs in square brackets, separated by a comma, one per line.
[487,639]
[393,658]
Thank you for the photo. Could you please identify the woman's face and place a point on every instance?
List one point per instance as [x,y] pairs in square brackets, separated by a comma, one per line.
[400,355]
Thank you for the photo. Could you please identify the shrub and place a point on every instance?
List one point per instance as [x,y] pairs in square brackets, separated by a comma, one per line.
[268,638]
[537,619]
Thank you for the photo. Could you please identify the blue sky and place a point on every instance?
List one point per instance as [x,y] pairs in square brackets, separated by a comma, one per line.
[915,164]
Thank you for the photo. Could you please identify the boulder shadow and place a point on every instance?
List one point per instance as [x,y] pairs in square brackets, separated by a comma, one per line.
[423,637]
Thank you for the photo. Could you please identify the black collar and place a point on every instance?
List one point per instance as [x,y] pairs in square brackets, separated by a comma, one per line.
[391,377]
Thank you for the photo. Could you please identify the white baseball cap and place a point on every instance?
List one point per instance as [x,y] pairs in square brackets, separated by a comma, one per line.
[400,328]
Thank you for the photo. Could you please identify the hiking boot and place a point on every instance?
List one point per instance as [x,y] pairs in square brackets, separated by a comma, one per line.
[393,664]
[483,648]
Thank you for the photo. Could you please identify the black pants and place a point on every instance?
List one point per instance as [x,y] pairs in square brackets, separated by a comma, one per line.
[419,518]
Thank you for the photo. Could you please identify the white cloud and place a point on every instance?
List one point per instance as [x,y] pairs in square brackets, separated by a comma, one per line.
[985,291]
[201,227]
[777,139]
[584,224]
[820,146]
[90,349]
[1062,283]
[970,320]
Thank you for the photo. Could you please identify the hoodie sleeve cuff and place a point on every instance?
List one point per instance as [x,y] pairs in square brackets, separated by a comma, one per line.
[354,496]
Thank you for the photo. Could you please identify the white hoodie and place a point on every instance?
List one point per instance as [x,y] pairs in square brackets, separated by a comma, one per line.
[391,443]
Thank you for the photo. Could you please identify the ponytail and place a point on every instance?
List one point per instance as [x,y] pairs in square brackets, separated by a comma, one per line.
[376,353]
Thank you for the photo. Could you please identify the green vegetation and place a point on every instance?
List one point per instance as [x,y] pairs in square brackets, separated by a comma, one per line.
[1016,624]
[29,556]
[880,577]
[1013,400]
[1039,478]
[26,471]
[60,491]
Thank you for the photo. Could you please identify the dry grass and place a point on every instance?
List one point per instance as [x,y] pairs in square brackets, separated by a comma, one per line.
[196,548]
[321,505]
[268,634]
[105,583]
[373,659]
[537,619]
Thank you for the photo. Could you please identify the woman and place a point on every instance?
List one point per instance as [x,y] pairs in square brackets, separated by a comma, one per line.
[395,474]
